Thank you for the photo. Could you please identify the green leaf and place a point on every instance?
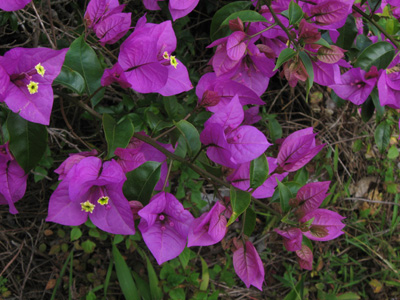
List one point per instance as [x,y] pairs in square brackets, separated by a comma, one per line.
[216,31]
[83,59]
[240,200]
[88,246]
[177,294]
[310,71]
[379,54]
[140,182]
[284,195]
[28,141]
[184,257]
[124,276]
[367,109]
[323,42]
[245,16]
[117,134]
[382,136]
[249,221]
[347,33]
[275,129]
[380,110]
[393,152]
[284,56]
[191,136]
[155,289]
[205,277]
[142,286]
[258,171]
[76,233]
[297,292]
[71,79]
[295,13]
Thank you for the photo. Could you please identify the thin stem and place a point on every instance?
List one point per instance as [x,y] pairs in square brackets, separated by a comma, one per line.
[280,24]
[264,30]
[380,28]
[169,172]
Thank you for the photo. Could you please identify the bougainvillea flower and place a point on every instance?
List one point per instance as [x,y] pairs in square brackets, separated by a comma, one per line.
[115,74]
[209,228]
[12,5]
[93,189]
[326,225]
[165,226]
[240,178]
[72,160]
[292,238]
[331,14]
[138,152]
[356,85]
[177,8]
[311,196]
[237,146]
[389,85]
[325,74]
[31,73]
[107,20]
[248,266]
[226,89]
[305,257]
[146,58]
[12,179]
[298,149]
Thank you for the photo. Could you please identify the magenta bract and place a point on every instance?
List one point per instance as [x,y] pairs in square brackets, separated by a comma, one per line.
[165,226]
[31,73]
[12,5]
[311,196]
[327,225]
[292,238]
[209,228]
[298,149]
[12,179]
[248,266]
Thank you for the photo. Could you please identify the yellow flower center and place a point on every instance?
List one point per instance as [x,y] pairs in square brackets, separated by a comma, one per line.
[40,69]
[33,87]
[103,200]
[166,55]
[173,61]
[87,206]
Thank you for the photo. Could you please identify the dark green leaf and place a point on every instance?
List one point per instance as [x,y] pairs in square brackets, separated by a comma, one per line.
[88,246]
[76,233]
[184,257]
[258,171]
[382,136]
[124,276]
[295,13]
[140,182]
[284,195]
[142,286]
[71,79]
[245,16]
[323,42]
[347,33]
[284,56]
[83,59]
[215,30]
[379,54]
[240,200]
[28,141]
[380,110]
[249,221]
[155,289]
[117,134]
[310,71]
[191,136]
[298,292]
[367,109]
[275,129]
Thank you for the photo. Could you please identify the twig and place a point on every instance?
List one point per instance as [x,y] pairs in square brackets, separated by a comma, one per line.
[371,201]
[12,260]
[44,28]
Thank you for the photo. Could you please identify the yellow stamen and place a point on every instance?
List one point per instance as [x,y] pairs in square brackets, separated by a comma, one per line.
[166,55]
[40,69]
[103,200]
[173,61]
[33,87]
[87,206]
